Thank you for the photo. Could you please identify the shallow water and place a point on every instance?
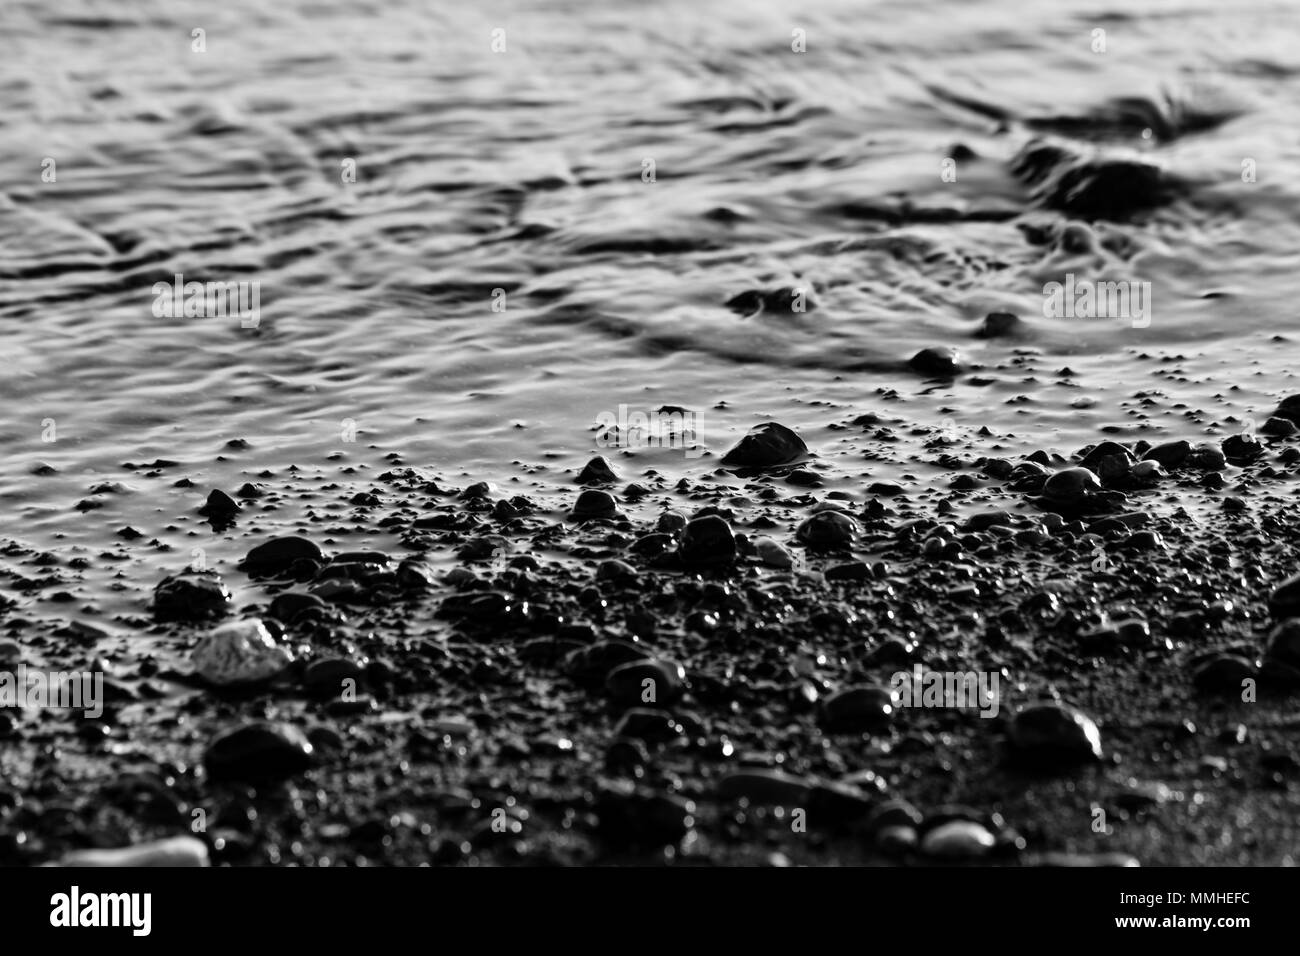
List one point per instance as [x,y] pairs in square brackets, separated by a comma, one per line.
[521,171]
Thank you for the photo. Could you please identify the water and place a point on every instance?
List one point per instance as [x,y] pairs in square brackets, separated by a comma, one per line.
[521,171]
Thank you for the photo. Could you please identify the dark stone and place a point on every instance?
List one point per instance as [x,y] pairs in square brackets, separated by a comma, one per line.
[766,445]
[597,472]
[277,554]
[220,505]
[828,530]
[594,504]
[191,596]
[1169,455]
[1050,735]
[257,752]
[707,541]
[999,324]
[859,709]
[647,681]
[940,360]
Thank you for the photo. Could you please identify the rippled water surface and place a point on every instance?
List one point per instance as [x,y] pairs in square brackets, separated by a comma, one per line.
[522,171]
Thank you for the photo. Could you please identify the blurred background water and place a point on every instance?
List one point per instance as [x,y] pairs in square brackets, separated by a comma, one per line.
[520,170]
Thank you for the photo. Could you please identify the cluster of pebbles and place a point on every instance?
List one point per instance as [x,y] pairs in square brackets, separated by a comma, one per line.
[703,671]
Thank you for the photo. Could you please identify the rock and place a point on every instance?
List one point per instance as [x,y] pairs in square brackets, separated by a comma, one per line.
[597,472]
[1146,473]
[175,851]
[1051,734]
[896,841]
[615,571]
[1206,458]
[325,677]
[257,752]
[837,804]
[957,840]
[999,324]
[1241,448]
[594,504]
[828,530]
[649,724]
[639,817]
[671,522]
[1071,487]
[277,554]
[242,652]
[220,505]
[1170,455]
[289,604]
[894,813]
[772,554]
[859,709]
[1284,601]
[647,681]
[191,596]
[766,445]
[765,787]
[707,541]
[1279,427]
[1100,451]
[414,574]
[938,360]
[1289,409]
[1284,643]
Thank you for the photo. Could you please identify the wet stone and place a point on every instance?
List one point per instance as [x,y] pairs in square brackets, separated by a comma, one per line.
[1051,734]
[639,817]
[289,604]
[772,553]
[707,541]
[220,505]
[1284,601]
[594,504]
[647,681]
[859,709]
[1241,448]
[1071,486]
[766,445]
[828,530]
[999,325]
[1169,455]
[1284,643]
[958,840]
[241,652]
[191,596]
[258,751]
[598,471]
[765,787]
[938,360]
[278,554]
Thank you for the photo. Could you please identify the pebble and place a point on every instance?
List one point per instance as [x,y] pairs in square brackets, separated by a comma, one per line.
[277,554]
[939,360]
[896,840]
[1051,734]
[767,787]
[957,840]
[859,709]
[1278,427]
[287,605]
[647,681]
[175,851]
[1241,448]
[1169,455]
[827,530]
[771,553]
[1284,601]
[258,751]
[629,816]
[241,652]
[1224,674]
[594,504]
[220,505]
[598,471]
[191,596]
[766,445]
[1284,643]
[1071,486]
[707,541]
[325,677]
[999,324]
